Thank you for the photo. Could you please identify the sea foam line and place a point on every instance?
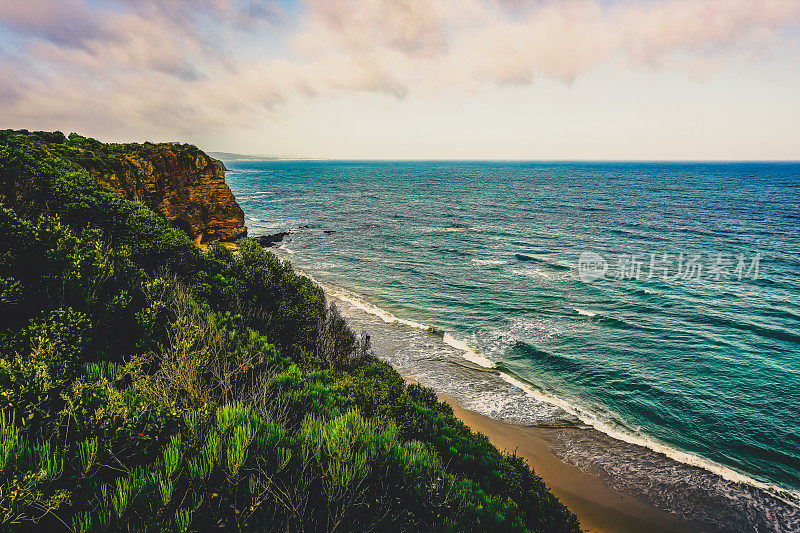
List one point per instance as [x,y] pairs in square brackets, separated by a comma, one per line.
[489,261]
[356,301]
[788,496]
[470,354]
[791,497]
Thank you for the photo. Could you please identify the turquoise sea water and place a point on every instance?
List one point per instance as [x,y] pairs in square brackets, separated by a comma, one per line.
[686,351]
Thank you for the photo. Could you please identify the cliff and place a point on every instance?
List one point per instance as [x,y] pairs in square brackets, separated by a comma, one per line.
[179,181]
[191,382]
[188,189]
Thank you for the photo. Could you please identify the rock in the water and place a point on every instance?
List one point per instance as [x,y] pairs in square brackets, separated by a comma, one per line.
[269,240]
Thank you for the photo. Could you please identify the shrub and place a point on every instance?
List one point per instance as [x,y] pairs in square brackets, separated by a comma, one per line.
[145,385]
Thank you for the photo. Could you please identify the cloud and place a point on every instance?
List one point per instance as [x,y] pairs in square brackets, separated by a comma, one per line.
[469,44]
[141,66]
[68,23]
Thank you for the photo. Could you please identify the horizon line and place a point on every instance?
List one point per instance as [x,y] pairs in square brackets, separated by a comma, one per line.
[499,160]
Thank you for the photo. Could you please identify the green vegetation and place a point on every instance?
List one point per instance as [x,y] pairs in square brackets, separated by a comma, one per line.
[145,385]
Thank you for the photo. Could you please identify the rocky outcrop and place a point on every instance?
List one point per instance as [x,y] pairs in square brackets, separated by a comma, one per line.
[268,240]
[183,184]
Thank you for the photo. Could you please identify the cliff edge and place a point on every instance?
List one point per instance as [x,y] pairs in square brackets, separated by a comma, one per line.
[179,181]
[187,188]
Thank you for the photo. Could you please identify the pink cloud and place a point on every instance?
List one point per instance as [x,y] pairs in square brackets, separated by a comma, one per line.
[141,66]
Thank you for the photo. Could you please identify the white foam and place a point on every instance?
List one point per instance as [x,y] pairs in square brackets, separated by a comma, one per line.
[346,296]
[469,353]
[534,273]
[584,312]
[617,432]
[604,426]
[354,300]
[489,261]
[438,229]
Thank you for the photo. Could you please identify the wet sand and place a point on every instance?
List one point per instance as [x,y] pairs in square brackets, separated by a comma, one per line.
[599,508]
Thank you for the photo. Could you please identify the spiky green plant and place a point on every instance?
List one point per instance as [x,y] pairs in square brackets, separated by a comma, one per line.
[192,420]
[104,494]
[165,488]
[10,445]
[236,449]
[172,455]
[87,451]
[199,468]
[44,461]
[183,519]
[121,497]
[105,369]
[102,522]
[283,455]
[195,500]
[93,371]
[229,414]
[82,522]
[113,371]
[143,481]
[268,437]
[212,448]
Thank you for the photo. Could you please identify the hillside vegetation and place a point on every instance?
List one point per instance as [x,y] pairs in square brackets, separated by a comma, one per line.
[148,386]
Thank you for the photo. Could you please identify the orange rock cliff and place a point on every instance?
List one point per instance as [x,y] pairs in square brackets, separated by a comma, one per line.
[187,187]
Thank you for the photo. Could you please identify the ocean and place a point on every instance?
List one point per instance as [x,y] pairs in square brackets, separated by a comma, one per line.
[648,311]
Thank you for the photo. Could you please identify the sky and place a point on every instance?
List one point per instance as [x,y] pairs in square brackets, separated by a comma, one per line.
[412,79]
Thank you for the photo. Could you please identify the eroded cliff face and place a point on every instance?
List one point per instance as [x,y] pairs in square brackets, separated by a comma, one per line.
[187,187]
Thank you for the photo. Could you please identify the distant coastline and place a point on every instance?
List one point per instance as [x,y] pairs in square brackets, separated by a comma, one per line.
[229,156]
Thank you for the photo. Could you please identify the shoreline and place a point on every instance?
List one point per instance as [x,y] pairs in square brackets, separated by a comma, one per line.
[599,508]
[644,489]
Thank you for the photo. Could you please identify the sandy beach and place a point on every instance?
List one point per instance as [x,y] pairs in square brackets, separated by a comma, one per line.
[599,508]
